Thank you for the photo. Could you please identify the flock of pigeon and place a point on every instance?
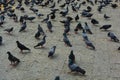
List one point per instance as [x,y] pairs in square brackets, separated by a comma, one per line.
[7,10]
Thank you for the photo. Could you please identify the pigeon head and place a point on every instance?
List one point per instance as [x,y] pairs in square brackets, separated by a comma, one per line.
[54,46]
[17,41]
[85,23]
[64,34]
[71,52]
[8,53]
[57,78]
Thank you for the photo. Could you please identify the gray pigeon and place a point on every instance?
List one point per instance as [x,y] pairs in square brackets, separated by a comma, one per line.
[89,44]
[23,27]
[75,68]
[113,37]
[66,40]
[41,43]
[9,29]
[52,51]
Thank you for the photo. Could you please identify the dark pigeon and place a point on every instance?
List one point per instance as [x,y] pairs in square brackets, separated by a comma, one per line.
[118,48]
[77,17]
[106,27]
[37,35]
[9,29]
[94,21]
[14,61]
[57,78]
[106,17]
[40,29]
[71,56]
[41,43]
[21,46]
[24,25]
[1,39]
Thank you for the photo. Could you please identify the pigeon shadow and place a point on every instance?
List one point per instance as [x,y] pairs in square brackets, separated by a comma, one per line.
[54,56]
[41,48]
[106,30]
[77,74]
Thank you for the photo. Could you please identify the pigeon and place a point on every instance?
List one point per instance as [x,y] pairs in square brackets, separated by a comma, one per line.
[33,9]
[69,18]
[15,18]
[83,3]
[67,29]
[113,37]
[37,35]
[89,15]
[1,39]
[52,51]
[77,17]
[94,21]
[118,48]
[26,2]
[22,9]
[75,68]
[21,20]
[74,9]
[18,6]
[21,46]
[84,35]
[39,14]
[57,78]
[58,1]
[78,7]
[2,17]
[114,5]
[41,43]
[10,15]
[87,28]
[66,40]
[63,5]
[49,26]
[89,44]
[14,61]
[106,27]
[23,27]
[40,29]
[31,18]
[84,13]
[96,1]
[46,19]
[52,16]
[78,27]
[71,56]
[65,12]
[52,5]
[1,23]
[99,8]
[9,29]
[89,9]
[54,10]
[106,17]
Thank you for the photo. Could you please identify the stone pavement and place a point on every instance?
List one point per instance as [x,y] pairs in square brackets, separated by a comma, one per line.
[102,64]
